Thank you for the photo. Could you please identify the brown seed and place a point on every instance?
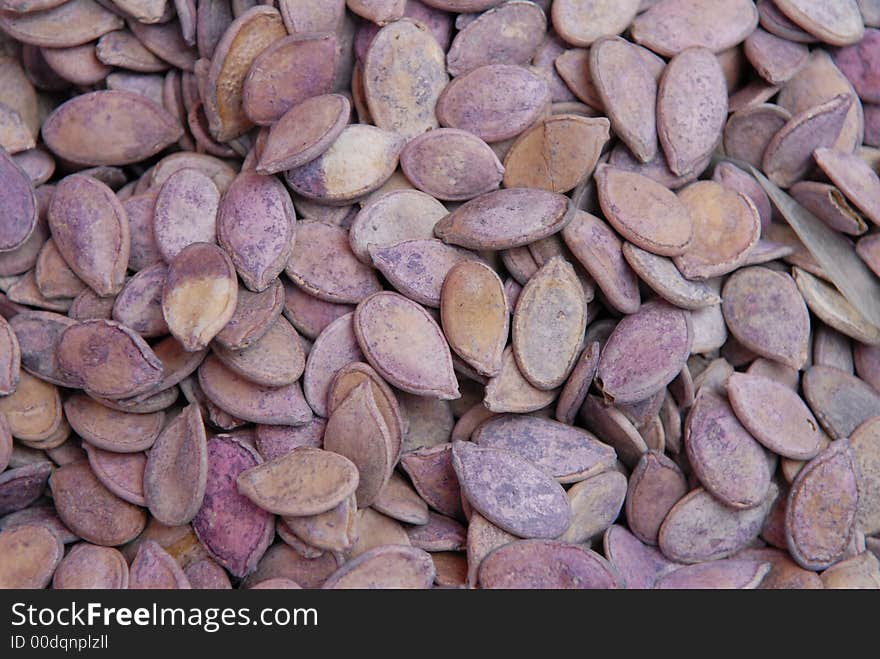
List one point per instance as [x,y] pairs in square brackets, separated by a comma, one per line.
[691,109]
[390,566]
[556,154]
[505,219]
[837,24]
[578,384]
[275,441]
[475,315]
[637,565]
[234,531]
[90,510]
[629,94]
[10,358]
[404,72]
[109,128]
[511,492]
[774,58]
[748,131]
[241,44]
[323,264]
[832,308]
[121,48]
[139,304]
[700,528]
[190,194]
[30,555]
[393,218]
[451,164]
[646,351]
[88,566]
[595,504]
[655,486]
[18,209]
[309,314]
[401,340]
[21,486]
[545,564]
[582,23]
[858,572]
[399,500]
[644,212]
[108,359]
[432,474]
[676,25]
[573,66]
[789,154]
[110,429]
[154,568]
[121,473]
[54,277]
[255,314]
[200,294]
[291,70]
[304,132]
[822,507]
[728,461]
[855,179]
[83,21]
[764,311]
[828,204]
[176,469]
[510,391]
[252,402]
[90,230]
[334,348]
[865,446]
[24,290]
[275,359]
[335,530]
[438,534]
[494,102]
[839,400]
[331,179]
[728,574]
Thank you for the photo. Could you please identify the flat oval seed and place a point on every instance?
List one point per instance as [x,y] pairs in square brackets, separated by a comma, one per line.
[30,555]
[399,500]
[92,567]
[765,312]
[255,226]
[507,34]
[828,204]
[646,351]
[598,249]
[275,359]
[112,430]
[676,25]
[730,464]
[726,228]
[775,415]
[82,20]
[306,481]
[637,565]
[581,22]
[90,510]
[404,72]
[527,564]
[304,132]
[439,534]
[568,454]
[855,179]
[391,566]
[255,314]
[749,131]
[108,359]
[139,304]
[836,23]
[494,102]
[832,308]
[22,486]
[451,164]
[10,358]
[505,219]
[331,179]
[185,212]
[548,324]
[839,400]
[700,528]
[232,529]
[644,212]
[510,391]
[405,345]
[121,473]
[392,218]
[664,278]
[728,574]
[629,94]
[275,441]
[155,568]
[291,70]
[323,264]
[109,128]
[335,530]
[242,42]
[90,229]
[511,492]
[432,474]
[556,154]
[655,486]
[18,207]
[252,402]
[789,154]
[200,294]
[475,315]
[54,277]
[822,507]
[177,468]
[578,384]
[335,347]
[865,445]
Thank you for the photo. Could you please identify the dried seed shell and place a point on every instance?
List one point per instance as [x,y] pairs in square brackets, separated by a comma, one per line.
[112,430]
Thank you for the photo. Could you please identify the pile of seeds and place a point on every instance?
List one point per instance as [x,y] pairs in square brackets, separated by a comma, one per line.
[454,293]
